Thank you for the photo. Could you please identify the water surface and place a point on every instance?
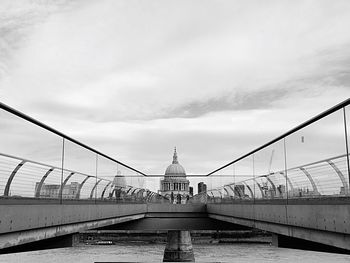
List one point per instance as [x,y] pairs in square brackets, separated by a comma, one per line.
[134,252]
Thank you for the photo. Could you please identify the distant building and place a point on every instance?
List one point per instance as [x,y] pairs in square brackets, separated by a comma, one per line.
[119,186]
[52,190]
[175,186]
[202,187]
[302,192]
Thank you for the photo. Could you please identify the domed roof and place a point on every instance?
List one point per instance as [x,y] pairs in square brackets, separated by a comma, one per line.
[175,168]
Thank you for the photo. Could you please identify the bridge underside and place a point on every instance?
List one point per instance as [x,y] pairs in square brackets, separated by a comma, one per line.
[24,223]
[178,223]
[175,217]
[33,222]
[323,222]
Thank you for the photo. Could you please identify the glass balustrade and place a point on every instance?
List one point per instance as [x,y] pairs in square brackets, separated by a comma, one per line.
[40,163]
[310,161]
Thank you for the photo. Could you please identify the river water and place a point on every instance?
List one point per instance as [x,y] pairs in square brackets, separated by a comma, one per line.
[133,252]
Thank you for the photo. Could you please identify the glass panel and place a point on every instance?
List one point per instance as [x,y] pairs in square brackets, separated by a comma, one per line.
[316,158]
[250,186]
[222,177]
[230,183]
[34,180]
[31,159]
[87,184]
[21,140]
[70,186]
[76,186]
[79,159]
[100,188]
[269,166]
[83,163]
[108,171]
[25,140]
[150,183]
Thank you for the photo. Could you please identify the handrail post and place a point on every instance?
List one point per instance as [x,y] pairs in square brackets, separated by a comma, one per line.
[93,189]
[313,183]
[96,160]
[77,196]
[9,181]
[64,184]
[61,188]
[249,189]
[38,189]
[346,143]
[341,176]
[286,171]
[104,189]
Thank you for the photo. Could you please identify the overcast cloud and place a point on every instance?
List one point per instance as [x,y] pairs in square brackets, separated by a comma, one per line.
[136,78]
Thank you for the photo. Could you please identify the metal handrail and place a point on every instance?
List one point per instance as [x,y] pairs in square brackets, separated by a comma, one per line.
[45,165]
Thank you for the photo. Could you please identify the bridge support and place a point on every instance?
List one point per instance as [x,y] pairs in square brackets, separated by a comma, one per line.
[179,247]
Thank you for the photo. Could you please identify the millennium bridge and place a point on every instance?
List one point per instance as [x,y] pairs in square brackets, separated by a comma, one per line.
[296,187]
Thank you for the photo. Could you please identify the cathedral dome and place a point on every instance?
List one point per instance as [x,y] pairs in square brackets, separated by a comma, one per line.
[175,169]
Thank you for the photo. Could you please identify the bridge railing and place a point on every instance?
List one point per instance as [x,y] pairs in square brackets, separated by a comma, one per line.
[309,161]
[39,162]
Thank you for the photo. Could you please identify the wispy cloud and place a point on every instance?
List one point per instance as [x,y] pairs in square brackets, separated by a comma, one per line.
[262,99]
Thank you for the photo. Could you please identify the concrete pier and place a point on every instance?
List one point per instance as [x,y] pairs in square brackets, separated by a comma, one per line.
[179,247]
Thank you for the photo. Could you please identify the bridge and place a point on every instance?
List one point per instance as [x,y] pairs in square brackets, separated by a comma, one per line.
[295,187]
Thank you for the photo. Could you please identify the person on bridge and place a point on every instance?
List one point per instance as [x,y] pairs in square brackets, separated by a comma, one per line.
[172,197]
[178,199]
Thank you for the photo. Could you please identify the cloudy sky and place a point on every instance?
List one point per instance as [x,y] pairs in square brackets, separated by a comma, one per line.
[133,78]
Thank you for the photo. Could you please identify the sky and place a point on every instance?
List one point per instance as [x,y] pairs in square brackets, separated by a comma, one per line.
[134,79]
